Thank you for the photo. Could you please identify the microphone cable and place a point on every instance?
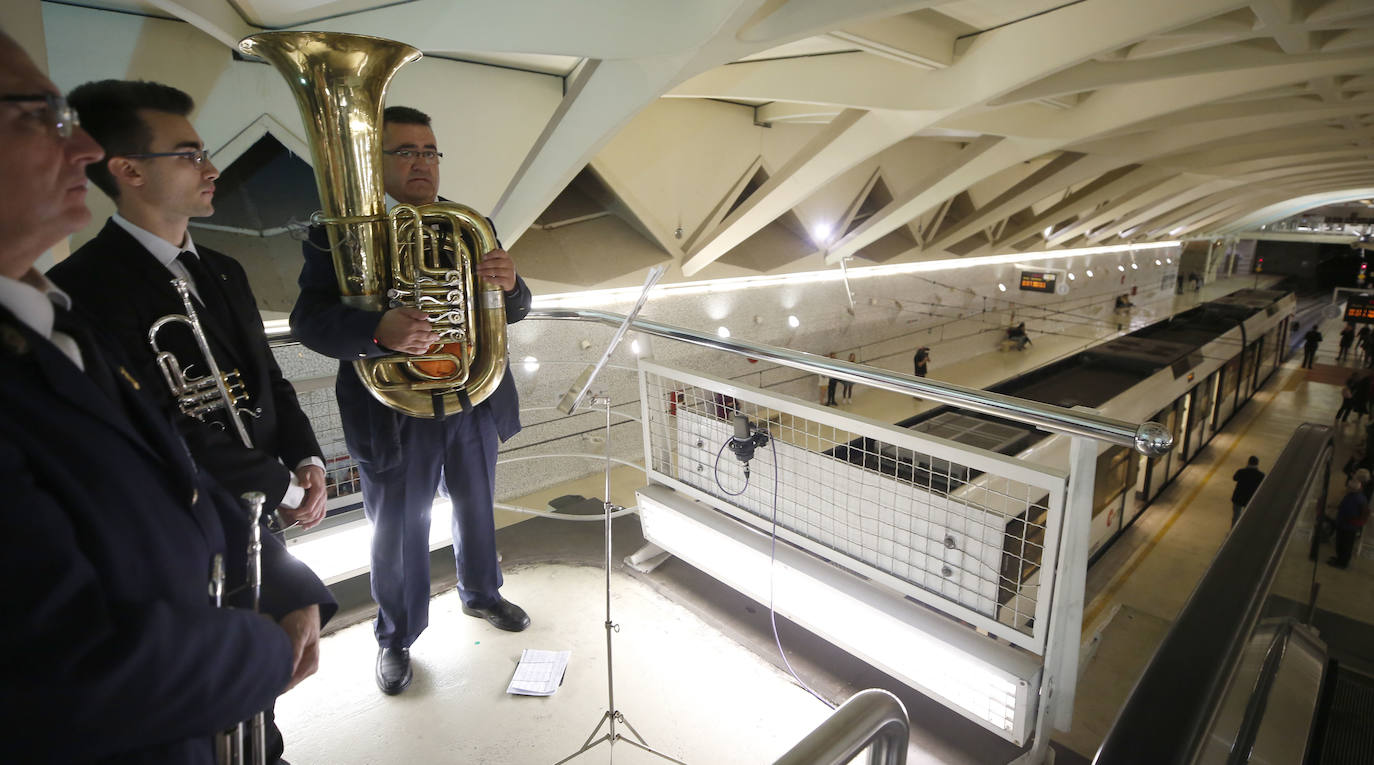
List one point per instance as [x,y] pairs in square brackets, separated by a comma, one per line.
[772,559]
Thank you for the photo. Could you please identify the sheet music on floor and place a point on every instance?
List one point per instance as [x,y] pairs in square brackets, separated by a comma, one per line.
[539,673]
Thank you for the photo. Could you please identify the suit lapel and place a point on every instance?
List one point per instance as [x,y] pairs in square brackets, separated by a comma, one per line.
[78,390]
[151,278]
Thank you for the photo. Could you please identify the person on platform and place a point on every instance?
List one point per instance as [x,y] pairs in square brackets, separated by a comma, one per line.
[1310,343]
[847,386]
[1347,340]
[1350,517]
[1247,481]
[113,650]
[402,460]
[159,175]
[1018,336]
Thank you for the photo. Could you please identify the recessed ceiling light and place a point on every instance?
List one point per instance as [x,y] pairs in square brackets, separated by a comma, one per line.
[1001,287]
[793,322]
[723,331]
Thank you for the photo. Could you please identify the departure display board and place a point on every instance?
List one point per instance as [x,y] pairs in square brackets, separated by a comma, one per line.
[1360,309]
[1039,281]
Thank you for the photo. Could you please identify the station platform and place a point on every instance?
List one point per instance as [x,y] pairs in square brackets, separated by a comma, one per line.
[697,671]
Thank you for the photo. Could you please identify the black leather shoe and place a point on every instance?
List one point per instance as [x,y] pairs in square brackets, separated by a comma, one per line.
[393,670]
[505,615]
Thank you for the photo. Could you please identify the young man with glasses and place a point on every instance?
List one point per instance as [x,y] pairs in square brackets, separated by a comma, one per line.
[112,649]
[401,459]
[157,171]
[159,175]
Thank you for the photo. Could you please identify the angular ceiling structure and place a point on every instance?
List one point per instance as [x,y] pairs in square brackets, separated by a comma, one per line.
[746,136]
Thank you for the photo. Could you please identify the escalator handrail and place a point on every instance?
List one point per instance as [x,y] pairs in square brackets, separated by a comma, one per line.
[1167,715]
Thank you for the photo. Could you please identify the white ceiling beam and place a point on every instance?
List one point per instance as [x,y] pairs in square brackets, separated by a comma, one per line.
[849,139]
[213,17]
[1062,172]
[903,39]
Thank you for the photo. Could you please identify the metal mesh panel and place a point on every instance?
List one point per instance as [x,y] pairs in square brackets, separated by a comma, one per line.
[960,529]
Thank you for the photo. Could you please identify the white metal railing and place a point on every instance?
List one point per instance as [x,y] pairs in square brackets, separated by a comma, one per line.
[973,534]
[929,518]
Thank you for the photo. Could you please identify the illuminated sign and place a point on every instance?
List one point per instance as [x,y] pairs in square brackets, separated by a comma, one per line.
[1360,309]
[1039,281]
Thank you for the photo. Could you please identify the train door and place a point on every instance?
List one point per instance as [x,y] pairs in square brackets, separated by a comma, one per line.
[1214,387]
[1226,400]
[1180,431]
[1115,474]
[1199,416]
[1158,468]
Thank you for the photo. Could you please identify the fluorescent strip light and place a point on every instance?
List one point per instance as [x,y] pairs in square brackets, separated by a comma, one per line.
[346,551]
[989,683]
[599,298]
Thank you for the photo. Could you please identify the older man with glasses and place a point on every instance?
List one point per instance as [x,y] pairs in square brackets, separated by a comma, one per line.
[112,649]
[401,459]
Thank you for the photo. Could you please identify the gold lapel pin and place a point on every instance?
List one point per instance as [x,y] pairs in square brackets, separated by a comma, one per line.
[132,380]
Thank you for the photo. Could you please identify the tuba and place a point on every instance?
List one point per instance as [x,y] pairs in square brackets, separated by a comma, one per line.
[421,257]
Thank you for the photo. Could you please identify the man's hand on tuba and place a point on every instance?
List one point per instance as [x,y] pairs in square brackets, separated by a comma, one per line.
[406,330]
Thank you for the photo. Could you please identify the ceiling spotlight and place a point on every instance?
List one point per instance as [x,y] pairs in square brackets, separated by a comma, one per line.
[1089,272]
[1071,276]
[1170,261]
[1121,268]
[821,232]
[531,364]
[1001,287]
[634,347]
[1134,267]
[1049,230]
[793,322]
[723,331]
[1158,262]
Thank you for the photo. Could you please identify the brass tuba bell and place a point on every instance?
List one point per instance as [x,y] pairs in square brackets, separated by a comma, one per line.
[422,257]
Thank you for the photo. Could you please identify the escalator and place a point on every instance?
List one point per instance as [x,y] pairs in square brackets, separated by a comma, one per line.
[1268,661]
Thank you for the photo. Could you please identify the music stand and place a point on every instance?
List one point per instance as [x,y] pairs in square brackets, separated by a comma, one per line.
[611,716]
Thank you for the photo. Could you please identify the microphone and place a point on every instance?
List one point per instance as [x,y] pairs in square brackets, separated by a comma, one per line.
[747,438]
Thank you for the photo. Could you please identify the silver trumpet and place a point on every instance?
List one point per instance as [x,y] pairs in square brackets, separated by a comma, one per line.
[210,393]
[230,744]
[199,396]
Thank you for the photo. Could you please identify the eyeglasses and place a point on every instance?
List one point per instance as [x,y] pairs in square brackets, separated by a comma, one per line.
[410,155]
[60,114]
[197,158]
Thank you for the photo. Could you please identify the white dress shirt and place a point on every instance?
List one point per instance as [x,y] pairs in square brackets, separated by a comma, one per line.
[33,301]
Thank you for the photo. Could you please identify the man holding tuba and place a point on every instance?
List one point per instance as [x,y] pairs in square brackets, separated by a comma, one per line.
[111,649]
[401,459]
[160,176]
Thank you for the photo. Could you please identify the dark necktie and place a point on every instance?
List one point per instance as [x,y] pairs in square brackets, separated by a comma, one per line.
[212,299]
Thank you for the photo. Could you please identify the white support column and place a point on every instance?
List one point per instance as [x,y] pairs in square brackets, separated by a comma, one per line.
[1059,680]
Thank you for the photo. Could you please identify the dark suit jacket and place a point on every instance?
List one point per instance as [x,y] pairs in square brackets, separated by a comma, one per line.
[111,650]
[116,278]
[327,326]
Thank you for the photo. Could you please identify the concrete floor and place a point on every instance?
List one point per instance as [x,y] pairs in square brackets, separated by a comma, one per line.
[697,672]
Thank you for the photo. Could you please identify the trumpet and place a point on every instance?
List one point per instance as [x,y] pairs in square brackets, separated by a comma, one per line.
[230,744]
[209,393]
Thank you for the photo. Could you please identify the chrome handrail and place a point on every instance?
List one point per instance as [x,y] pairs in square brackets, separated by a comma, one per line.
[873,718]
[1148,438]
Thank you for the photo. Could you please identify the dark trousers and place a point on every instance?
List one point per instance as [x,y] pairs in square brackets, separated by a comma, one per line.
[1309,355]
[1345,545]
[461,451]
[830,390]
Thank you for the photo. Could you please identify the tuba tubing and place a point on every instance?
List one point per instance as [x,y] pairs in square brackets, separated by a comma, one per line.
[386,259]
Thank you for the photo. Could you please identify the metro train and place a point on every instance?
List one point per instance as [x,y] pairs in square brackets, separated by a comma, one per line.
[1191,373]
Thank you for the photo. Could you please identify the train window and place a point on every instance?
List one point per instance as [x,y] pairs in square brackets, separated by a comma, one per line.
[1115,471]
